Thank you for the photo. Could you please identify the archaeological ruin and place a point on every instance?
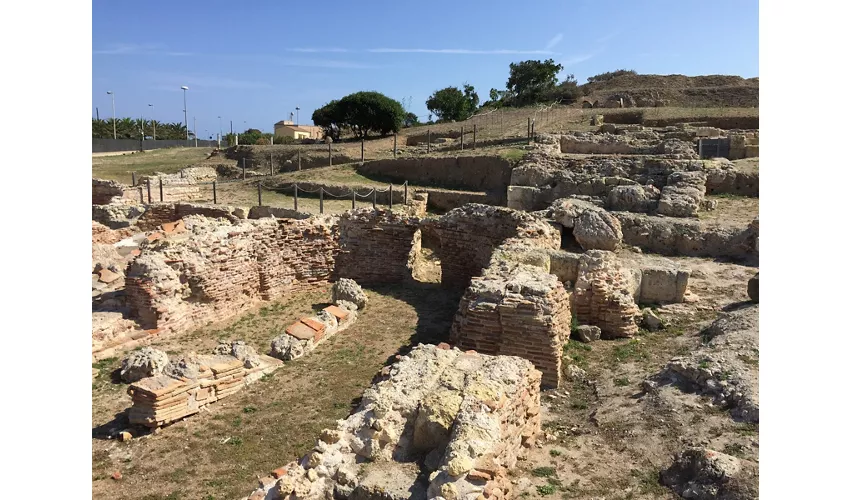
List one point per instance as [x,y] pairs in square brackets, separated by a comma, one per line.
[589,238]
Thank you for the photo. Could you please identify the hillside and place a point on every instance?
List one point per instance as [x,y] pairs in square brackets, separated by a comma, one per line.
[675,90]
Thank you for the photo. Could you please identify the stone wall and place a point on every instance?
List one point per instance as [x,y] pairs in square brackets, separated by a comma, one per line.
[107,192]
[438,423]
[376,246]
[468,235]
[476,173]
[692,238]
[220,269]
[516,310]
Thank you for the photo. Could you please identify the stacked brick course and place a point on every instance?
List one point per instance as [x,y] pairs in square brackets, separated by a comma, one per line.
[163,399]
[602,295]
[376,246]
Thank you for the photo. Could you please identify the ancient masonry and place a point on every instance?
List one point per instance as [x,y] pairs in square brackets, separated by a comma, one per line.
[602,295]
[465,417]
[194,382]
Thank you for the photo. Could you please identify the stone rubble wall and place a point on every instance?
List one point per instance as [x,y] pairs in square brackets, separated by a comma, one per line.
[692,238]
[469,416]
[108,192]
[163,399]
[475,173]
[376,246]
[221,269]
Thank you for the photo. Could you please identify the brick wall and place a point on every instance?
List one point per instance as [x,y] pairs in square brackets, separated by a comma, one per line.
[469,234]
[375,246]
[221,269]
[603,297]
[516,311]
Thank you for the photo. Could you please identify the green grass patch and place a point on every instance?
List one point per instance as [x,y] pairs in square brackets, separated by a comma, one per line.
[543,472]
[555,453]
[632,350]
[621,382]
[546,489]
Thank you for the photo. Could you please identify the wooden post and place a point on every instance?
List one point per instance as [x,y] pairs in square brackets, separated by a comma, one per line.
[134,178]
[243,168]
[271,163]
[362,150]
[161,197]
[296,196]
[531,139]
[299,159]
[215,198]
[260,193]
[391,197]
[429,140]
[353,198]
[149,191]
[395,144]
[528,132]
[141,195]
[461,138]
[330,158]
[374,199]
[474,134]
[405,192]
[321,200]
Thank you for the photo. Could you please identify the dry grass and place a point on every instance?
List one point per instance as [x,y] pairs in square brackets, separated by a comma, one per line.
[274,420]
[167,160]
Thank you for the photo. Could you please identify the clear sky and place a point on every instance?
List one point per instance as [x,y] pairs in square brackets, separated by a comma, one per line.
[254,62]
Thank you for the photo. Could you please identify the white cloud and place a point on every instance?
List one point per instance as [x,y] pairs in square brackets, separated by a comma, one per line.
[575,60]
[460,51]
[123,49]
[312,50]
[554,41]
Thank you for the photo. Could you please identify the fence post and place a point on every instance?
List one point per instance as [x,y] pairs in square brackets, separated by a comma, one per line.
[321,200]
[330,158]
[405,192]
[141,195]
[260,193]
[391,197]
[134,178]
[374,199]
[296,196]
[215,198]
[353,198]
[299,159]
[528,132]
[243,168]
[362,150]
[271,163]
[395,144]
[461,138]
[474,134]
[531,139]
[149,191]
[429,140]
[161,197]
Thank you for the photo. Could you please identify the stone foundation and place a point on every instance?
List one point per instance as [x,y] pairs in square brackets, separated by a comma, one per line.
[376,246]
[603,296]
[466,417]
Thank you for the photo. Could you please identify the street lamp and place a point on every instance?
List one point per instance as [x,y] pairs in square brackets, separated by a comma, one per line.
[153,122]
[185,115]
[297,109]
[114,130]
[219,126]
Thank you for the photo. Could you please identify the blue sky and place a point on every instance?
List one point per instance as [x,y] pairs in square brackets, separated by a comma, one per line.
[253,63]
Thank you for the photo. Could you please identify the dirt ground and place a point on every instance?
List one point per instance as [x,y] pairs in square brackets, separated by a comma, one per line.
[219,453]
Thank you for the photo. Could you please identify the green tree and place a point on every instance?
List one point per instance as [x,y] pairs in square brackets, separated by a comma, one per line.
[530,80]
[410,120]
[329,119]
[566,92]
[452,104]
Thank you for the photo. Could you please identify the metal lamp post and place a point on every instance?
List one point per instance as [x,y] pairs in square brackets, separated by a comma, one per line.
[195,129]
[153,122]
[185,114]
[297,109]
[114,129]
